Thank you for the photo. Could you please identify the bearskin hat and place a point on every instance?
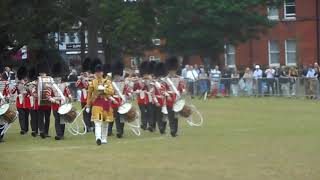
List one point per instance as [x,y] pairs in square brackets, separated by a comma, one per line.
[117,68]
[43,67]
[153,65]
[160,69]
[57,70]
[96,66]
[172,63]
[145,68]
[32,74]
[22,72]
[86,65]
[106,68]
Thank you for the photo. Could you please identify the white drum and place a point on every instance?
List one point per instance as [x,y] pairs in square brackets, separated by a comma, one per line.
[179,105]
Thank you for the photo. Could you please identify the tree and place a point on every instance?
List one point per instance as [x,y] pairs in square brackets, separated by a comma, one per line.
[203,27]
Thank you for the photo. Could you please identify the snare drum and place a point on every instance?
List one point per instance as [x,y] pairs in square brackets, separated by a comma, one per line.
[68,113]
[128,111]
[178,105]
[8,113]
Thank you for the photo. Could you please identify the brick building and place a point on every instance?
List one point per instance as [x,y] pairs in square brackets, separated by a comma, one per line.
[294,40]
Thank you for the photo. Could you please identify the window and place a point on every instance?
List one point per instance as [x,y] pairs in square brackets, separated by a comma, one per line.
[230,55]
[134,62]
[274,53]
[156,42]
[72,37]
[273,13]
[291,52]
[154,58]
[62,38]
[290,9]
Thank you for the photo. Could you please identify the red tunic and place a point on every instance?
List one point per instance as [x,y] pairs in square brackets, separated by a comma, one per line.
[159,93]
[50,94]
[6,90]
[23,103]
[142,97]
[173,96]
[126,91]
[83,86]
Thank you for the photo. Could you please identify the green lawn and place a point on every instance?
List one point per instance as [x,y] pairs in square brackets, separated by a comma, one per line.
[242,138]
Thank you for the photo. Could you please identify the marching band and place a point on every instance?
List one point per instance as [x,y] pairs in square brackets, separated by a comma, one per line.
[106,97]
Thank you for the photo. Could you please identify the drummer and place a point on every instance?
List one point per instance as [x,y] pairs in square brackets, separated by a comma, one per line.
[82,84]
[142,88]
[58,97]
[160,95]
[22,100]
[176,89]
[44,106]
[122,94]
[34,106]
[2,122]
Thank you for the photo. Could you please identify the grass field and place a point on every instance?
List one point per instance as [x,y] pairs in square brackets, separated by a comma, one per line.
[242,138]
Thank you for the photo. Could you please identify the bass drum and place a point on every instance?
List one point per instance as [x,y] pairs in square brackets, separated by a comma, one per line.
[68,113]
[43,84]
[8,113]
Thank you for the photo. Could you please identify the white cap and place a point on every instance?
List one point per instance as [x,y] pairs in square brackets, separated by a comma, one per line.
[257,67]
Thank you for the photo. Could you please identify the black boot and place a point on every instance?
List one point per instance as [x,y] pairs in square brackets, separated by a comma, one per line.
[42,135]
[34,134]
[98,142]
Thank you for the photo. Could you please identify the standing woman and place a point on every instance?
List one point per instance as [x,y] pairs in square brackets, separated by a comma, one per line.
[248,79]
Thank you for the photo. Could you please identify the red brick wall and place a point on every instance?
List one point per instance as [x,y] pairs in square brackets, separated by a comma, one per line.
[303,30]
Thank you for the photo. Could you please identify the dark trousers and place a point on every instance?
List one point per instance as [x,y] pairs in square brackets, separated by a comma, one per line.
[159,119]
[44,121]
[58,125]
[173,121]
[270,84]
[146,115]
[1,129]
[34,114]
[86,117]
[24,119]
[119,122]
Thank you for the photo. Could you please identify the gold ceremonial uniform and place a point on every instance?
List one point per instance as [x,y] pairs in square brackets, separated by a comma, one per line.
[99,99]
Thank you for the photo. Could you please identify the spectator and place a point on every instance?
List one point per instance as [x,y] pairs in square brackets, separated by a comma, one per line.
[192,76]
[8,75]
[293,75]
[257,83]
[184,72]
[311,82]
[215,76]
[203,82]
[72,78]
[284,81]
[270,72]
[235,82]
[248,79]
[226,80]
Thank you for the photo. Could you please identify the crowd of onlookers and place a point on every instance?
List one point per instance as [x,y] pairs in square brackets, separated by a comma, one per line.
[255,81]
[233,81]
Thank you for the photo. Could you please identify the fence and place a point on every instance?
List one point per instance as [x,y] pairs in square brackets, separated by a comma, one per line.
[287,87]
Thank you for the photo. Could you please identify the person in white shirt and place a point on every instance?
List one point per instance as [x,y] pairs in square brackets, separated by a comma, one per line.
[192,76]
[257,76]
[215,76]
[270,72]
[184,71]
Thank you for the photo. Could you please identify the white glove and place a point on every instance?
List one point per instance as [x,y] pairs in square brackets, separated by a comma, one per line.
[88,110]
